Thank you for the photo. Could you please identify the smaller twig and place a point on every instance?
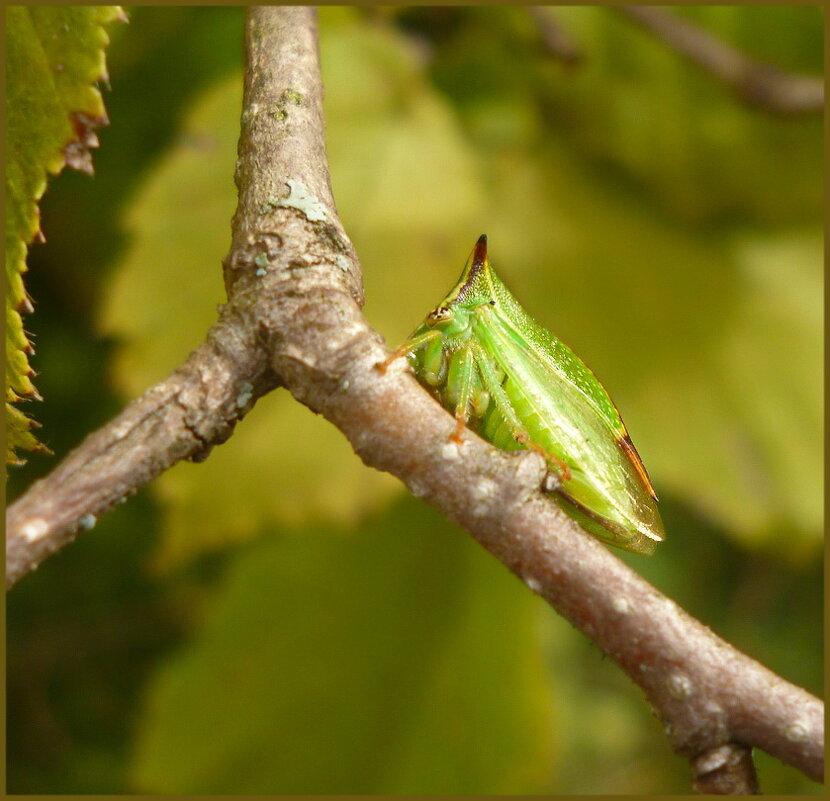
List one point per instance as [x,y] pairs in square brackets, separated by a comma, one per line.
[553,38]
[726,770]
[181,417]
[760,85]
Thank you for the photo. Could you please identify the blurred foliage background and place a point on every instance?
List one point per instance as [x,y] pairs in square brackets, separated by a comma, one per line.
[282,619]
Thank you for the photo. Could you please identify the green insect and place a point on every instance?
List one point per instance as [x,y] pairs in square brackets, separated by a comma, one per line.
[518,386]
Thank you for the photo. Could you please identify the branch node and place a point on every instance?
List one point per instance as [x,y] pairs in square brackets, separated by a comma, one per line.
[725,770]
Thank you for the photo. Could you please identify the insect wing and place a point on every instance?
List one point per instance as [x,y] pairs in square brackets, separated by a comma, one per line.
[555,354]
[569,414]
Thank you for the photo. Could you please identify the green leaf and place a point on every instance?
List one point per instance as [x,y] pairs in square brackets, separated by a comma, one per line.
[54,56]
[19,434]
[765,391]
[335,662]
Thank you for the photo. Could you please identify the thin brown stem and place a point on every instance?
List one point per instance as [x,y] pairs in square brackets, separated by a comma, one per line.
[761,85]
[182,417]
[725,770]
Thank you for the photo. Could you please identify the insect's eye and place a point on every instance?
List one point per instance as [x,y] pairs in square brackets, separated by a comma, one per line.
[439,315]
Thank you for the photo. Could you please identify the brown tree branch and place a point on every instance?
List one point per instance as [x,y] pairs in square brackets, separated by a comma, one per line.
[293,295]
[725,770]
[182,417]
[761,85]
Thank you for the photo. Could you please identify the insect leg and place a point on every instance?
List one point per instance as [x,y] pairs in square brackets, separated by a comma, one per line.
[431,362]
[461,380]
[493,385]
[407,347]
[507,409]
